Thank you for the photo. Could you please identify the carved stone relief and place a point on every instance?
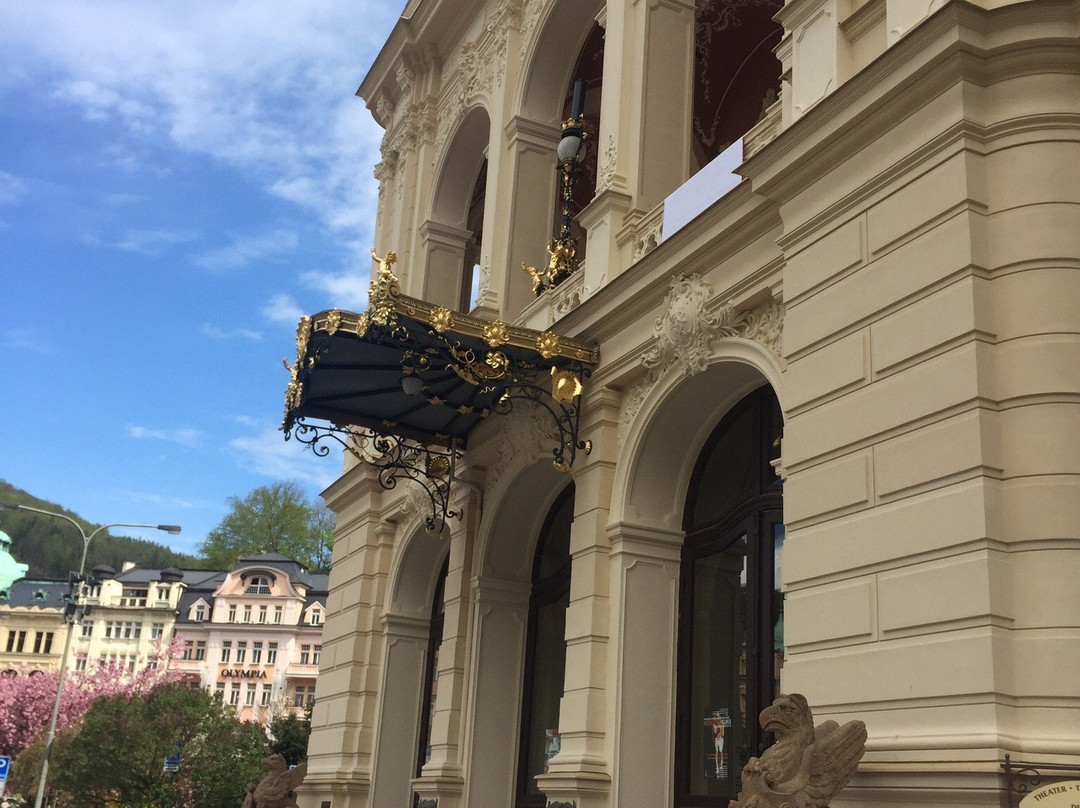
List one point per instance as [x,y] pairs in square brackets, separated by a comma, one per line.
[482,61]
[530,16]
[414,506]
[685,335]
[566,297]
[606,174]
[523,441]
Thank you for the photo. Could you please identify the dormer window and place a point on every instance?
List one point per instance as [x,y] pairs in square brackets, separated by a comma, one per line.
[316,617]
[200,613]
[258,586]
[133,597]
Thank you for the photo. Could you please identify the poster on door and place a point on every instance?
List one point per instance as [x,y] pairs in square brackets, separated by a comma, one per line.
[552,745]
[717,727]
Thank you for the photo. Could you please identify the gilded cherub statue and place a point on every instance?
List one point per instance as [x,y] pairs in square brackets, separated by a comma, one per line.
[275,790]
[808,765]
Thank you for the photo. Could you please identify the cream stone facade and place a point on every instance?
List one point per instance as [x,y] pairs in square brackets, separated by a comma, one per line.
[894,270]
[32,630]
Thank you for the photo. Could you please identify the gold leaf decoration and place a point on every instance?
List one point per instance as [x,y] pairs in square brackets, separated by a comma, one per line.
[442,319]
[565,385]
[497,361]
[333,322]
[303,334]
[438,467]
[548,344]
[496,333]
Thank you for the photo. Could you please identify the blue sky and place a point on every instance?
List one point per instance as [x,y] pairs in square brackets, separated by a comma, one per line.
[179,182]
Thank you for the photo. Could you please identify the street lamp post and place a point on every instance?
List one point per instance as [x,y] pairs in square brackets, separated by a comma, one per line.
[50,737]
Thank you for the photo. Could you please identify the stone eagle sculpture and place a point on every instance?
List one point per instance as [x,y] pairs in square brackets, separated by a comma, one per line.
[275,790]
[808,765]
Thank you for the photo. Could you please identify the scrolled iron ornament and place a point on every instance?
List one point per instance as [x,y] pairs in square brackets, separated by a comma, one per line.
[394,458]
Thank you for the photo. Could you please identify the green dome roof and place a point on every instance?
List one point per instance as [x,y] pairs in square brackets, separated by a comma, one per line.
[10,569]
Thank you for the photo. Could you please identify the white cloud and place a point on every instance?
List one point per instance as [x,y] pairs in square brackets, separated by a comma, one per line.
[26,340]
[164,501]
[214,332]
[99,103]
[245,249]
[269,454]
[265,86]
[12,188]
[184,437]
[283,309]
[153,242]
[346,290]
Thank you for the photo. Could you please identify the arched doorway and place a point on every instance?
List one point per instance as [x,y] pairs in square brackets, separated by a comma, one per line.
[730,627]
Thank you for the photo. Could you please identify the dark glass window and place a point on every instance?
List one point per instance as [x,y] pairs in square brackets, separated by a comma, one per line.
[731,645]
[737,74]
[545,654]
[431,669]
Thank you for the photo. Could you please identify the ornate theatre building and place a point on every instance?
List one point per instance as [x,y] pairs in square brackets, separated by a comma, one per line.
[726,348]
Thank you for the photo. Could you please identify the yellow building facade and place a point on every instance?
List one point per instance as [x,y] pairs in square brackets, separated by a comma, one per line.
[829,443]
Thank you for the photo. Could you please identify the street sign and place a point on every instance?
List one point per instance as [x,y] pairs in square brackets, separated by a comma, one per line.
[5,764]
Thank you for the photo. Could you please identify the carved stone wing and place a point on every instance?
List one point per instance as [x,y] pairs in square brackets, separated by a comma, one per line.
[274,790]
[832,759]
[293,777]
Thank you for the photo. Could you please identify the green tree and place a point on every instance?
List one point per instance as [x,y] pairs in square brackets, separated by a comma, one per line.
[272,518]
[290,735]
[116,754]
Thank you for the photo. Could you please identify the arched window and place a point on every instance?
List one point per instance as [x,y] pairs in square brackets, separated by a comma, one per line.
[258,585]
[545,654]
[730,611]
[474,223]
[431,669]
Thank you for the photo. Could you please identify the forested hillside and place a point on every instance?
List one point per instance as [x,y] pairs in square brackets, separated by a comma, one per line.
[52,547]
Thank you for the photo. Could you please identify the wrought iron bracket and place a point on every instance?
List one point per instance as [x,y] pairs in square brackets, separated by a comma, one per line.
[394,458]
[1022,777]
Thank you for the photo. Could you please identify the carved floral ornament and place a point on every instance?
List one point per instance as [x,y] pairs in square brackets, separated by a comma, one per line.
[685,336]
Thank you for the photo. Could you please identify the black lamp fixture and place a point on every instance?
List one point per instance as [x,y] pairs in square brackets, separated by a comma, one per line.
[562,250]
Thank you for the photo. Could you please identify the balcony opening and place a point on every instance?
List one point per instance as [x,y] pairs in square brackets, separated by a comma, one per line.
[737,74]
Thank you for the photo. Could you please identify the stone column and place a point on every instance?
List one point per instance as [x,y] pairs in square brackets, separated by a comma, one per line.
[529,199]
[655,39]
[442,779]
[342,740]
[645,598]
[443,247]
[500,619]
[814,53]
[580,773]
[394,757]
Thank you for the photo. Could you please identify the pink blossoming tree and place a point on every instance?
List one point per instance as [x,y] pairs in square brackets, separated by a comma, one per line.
[26,700]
